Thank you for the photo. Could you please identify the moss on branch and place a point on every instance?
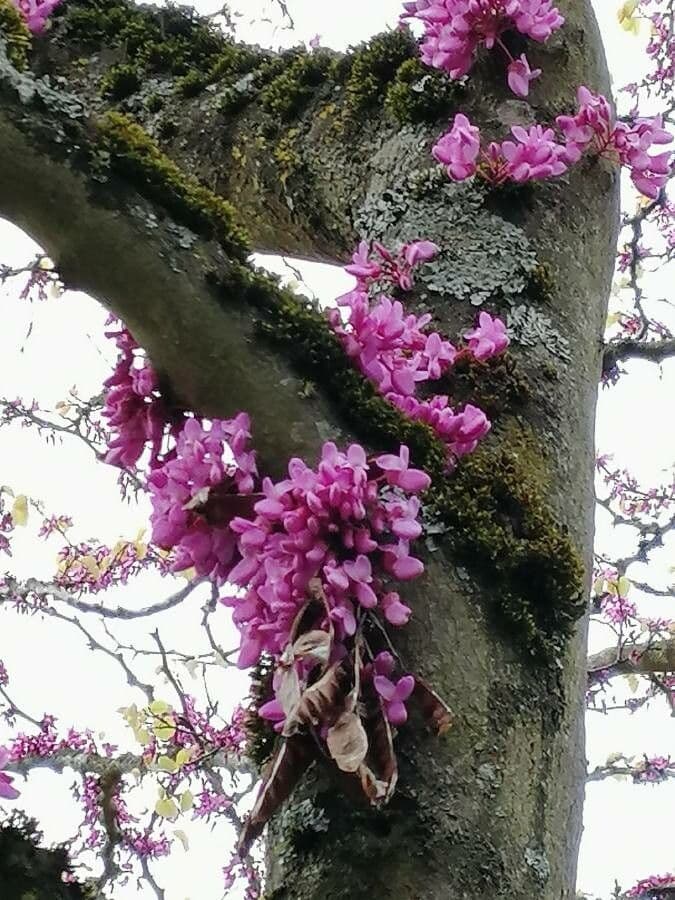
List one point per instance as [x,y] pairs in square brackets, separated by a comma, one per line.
[15,34]
[153,174]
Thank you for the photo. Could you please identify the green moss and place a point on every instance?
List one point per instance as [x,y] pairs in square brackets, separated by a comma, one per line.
[173,39]
[500,523]
[154,103]
[288,93]
[494,505]
[541,284]
[420,94]
[137,156]
[371,68]
[121,81]
[15,34]
[497,386]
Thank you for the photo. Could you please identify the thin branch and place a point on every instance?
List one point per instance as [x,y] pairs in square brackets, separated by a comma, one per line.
[11,589]
[641,659]
[652,351]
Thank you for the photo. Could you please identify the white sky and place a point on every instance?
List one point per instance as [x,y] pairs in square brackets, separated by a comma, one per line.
[628,832]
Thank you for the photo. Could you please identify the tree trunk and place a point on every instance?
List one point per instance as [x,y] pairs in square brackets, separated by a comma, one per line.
[315,152]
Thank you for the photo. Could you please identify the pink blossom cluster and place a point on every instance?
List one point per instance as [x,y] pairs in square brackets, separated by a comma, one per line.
[239,871]
[90,797]
[210,803]
[137,415]
[633,499]
[618,610]
[649,887]
[6,527]
[455,29]
[653,770]
[54,525]
[593,129]
[197,492]
[145,846]
[379,264]
[394,350]
[36,12]
[92,568]
[534,155]
[347,523]
[232,737]
[538,153]
[47,743]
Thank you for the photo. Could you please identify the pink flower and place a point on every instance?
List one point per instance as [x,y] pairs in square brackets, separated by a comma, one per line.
[36,12]
[273,712]
[520,75]
[536,155]
[360,573]
[362,266]
[394,696]
[398,473]
[458,149]
[420,252]
[395,612]
[6,790]
[489,338]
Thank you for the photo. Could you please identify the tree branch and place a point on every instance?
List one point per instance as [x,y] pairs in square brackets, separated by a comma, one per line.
[640,659]
[10,589]
[652,351]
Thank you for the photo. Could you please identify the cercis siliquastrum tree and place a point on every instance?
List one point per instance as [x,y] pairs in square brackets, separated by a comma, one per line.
[389,449]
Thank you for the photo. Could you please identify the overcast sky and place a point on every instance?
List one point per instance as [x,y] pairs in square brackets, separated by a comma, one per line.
[628,829]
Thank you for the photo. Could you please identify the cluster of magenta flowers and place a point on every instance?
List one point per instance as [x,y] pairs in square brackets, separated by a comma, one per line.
[339,532]
[36,12]
[197,492]
[137,415]
[455,29]
[538,153]
[395,351]
[652,770]
[651,888]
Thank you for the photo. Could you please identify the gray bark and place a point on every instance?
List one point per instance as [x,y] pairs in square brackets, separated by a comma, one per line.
[494,808]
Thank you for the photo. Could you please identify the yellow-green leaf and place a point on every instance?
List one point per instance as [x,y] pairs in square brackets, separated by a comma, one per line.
[159,707]
[166,808]
[623,586]
[164,732]
[183,756]
[186,801]
[166,764]
[142,735]
[20,510]
[633,682]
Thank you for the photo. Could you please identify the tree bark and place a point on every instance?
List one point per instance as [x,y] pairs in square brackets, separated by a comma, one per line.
[494,808]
